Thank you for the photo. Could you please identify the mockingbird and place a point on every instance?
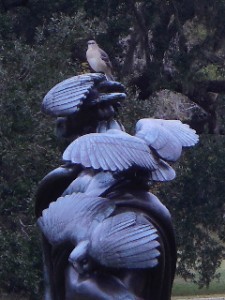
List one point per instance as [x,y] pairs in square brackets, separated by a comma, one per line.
[99,60]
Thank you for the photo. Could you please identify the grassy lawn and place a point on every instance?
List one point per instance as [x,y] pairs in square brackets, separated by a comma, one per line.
[186,288]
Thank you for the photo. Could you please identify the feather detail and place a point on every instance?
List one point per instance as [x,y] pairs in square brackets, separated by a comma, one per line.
[120,150]
[123,241]
[166,137]
[70,217]
[67,96]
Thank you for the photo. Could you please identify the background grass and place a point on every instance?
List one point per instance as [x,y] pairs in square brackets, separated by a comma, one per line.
[187,288]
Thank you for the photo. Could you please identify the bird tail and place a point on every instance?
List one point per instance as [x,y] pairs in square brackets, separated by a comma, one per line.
[109,76]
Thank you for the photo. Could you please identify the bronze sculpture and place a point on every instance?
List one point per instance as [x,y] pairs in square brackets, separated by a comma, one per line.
[105,236]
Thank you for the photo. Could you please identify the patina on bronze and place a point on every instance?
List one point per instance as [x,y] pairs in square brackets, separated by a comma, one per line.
[105,236]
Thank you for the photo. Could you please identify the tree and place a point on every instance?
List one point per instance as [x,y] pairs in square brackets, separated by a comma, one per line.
[157,48]
[29,149]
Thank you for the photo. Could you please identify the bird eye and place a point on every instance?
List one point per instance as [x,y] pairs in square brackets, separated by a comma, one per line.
[84,261]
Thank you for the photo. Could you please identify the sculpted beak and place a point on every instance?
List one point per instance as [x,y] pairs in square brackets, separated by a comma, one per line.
[77,267]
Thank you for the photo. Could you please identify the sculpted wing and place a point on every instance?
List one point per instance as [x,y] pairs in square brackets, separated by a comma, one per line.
[164,172]
[126,240]
[70,217]
[91,183]
[67,96]
[110,151]
[86,90]
[116,151]
[166,137]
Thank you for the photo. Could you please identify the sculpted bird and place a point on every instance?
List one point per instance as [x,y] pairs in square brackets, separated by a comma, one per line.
[99,60]
[156,142]
[117,152]
[166,137]
[95,211]
[82,93]
[81,102]
[122,240]
[96,162]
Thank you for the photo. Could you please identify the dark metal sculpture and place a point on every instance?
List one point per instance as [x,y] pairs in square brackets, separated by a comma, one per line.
[105,236]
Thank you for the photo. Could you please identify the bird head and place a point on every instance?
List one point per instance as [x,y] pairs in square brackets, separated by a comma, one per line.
[92,44]
[79,257]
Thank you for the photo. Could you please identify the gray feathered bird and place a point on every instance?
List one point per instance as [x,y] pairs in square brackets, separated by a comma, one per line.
[99,60]
[125,240]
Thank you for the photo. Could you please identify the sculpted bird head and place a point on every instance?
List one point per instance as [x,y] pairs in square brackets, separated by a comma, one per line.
[79,257]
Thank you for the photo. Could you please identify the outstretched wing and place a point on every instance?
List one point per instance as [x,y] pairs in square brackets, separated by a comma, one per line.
[114,150]
[70,217]
[166,137]
[67,96]
[126,240]
[117,151]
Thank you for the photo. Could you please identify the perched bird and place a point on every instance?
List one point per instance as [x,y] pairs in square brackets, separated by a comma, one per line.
[99,60]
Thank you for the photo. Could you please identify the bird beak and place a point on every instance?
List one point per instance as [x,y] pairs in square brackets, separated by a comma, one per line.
[78,268]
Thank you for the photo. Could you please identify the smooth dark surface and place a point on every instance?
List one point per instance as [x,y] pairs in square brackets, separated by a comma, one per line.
[52,186]
[96,287]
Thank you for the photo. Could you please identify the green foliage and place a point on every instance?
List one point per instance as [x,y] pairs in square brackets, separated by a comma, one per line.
[196,200]
[216,288]
[44,43]
[20,258]
[29,149]
[211,72]
[134,109]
